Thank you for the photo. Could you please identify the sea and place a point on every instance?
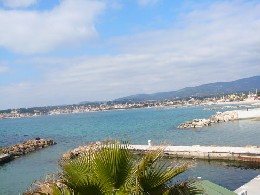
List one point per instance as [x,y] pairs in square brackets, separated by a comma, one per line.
[134,125]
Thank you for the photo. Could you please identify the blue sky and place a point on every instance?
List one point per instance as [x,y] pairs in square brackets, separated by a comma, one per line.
[66,51]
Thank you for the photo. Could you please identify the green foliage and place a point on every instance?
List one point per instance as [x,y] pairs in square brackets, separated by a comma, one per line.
[61,191]
[112,169]
[153,173]
[113,163]
[79,175]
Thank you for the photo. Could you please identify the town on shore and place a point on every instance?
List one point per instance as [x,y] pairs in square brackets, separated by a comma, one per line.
[111,105]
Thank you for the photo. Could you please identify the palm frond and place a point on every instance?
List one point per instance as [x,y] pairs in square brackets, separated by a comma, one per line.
[111,168]
[113,163]
[78,175]
[150,157]
[61,190]
[152,172]
[101,170]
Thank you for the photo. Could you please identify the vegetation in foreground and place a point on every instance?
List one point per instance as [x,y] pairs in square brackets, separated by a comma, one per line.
[114,169]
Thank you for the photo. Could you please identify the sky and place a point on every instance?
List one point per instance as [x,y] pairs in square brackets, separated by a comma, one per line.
[55,52]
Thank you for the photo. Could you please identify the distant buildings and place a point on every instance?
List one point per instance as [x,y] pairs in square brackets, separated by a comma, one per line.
[81,108]
[253,96]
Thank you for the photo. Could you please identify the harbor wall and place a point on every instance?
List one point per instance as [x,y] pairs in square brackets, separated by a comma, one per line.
[246,154]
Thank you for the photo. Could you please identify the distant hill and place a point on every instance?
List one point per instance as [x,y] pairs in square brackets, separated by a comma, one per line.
[92,102]
[241,85]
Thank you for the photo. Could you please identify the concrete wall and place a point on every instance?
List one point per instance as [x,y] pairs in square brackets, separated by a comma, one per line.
[249,154]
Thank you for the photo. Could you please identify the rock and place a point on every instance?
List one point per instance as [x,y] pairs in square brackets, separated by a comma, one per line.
[218,117]
[5,158]
[195,123]
[81,149]
[27,147]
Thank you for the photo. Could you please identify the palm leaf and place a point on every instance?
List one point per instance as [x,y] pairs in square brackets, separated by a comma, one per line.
[113,163]
[152,172]
[111,168]
[78,175]
[61,190]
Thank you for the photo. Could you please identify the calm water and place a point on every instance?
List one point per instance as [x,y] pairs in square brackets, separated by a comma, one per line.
[137,125]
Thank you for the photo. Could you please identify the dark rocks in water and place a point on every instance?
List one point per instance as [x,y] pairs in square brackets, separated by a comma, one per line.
[4,158]
[37,138]
[26,147]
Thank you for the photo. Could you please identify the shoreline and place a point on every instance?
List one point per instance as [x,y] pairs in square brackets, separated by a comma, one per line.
[210,103]
[245,102]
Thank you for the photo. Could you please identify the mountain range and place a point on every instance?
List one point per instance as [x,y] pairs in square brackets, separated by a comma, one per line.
[210,89]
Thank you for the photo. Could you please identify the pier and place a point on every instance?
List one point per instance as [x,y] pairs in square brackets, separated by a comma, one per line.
[245,154]
[250,154]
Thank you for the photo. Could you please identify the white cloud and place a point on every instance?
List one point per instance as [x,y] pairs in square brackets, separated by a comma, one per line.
[147,2]
[19,3]
[220,43]
[217,43]
[4,67]
[222,46]
[70,23]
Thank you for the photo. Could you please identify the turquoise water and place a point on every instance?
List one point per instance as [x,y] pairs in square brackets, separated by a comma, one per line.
[136,125]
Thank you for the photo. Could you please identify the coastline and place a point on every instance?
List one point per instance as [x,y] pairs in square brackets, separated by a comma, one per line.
[245,102]
[182,104]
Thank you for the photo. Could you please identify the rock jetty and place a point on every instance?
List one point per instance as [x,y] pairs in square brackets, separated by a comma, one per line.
[11,152]
[222,117]
[81,149]
[195,123]
[217,118]
[71,154]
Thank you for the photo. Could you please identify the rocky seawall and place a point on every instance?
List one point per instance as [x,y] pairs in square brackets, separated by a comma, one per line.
[11,152]
[81,149]
[221,117]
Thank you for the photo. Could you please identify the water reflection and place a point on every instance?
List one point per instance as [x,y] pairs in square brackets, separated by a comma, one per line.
[229,174]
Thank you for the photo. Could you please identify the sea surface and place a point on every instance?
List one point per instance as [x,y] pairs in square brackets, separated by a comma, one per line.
[136,126]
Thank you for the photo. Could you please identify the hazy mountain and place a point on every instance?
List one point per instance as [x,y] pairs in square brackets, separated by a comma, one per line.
[92,102]
[241,85]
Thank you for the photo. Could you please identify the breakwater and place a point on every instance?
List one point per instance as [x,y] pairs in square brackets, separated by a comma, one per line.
[11,152]
[221,117]
[244,154]
[81,149]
